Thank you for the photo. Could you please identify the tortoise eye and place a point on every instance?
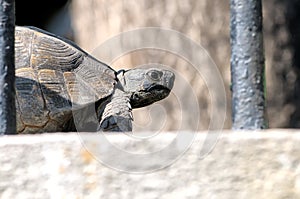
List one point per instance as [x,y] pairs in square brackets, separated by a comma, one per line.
[155,75]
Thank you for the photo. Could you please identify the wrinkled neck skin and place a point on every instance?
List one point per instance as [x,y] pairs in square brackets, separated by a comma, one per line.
[129,88]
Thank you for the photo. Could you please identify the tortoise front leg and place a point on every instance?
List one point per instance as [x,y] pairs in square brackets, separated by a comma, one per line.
[117,115]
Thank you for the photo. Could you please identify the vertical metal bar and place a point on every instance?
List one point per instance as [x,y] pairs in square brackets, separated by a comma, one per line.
[247,65]
[7,68]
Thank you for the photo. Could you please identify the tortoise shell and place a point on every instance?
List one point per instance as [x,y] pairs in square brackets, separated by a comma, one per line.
[54,76]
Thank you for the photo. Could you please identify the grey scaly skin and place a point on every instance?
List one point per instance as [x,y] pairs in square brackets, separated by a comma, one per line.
[135,88]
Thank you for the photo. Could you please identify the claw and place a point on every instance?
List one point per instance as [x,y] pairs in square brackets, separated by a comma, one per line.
[131,115]
[129,106]
[104,124]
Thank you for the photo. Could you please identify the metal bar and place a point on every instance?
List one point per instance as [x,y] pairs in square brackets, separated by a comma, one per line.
[247,65]
[7,68]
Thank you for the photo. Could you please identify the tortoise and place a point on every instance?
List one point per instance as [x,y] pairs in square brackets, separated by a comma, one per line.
[62,88]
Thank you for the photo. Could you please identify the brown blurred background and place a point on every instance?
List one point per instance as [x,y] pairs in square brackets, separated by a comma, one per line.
[91,22]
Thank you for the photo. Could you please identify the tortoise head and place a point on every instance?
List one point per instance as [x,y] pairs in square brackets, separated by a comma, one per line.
[146,86]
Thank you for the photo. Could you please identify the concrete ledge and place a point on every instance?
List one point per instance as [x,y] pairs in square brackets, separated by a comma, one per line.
[262,164]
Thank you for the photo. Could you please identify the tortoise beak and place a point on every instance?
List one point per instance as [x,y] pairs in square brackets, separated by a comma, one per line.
[169,79]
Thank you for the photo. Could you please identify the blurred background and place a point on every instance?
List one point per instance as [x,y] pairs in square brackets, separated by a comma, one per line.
[91,22]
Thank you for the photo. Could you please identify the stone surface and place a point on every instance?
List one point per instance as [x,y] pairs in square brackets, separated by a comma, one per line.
[241,165]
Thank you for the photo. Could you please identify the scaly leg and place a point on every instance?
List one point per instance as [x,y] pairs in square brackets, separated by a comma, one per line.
[117,115]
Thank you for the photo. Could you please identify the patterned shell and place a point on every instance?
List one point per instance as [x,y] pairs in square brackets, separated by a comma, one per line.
[53,77]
